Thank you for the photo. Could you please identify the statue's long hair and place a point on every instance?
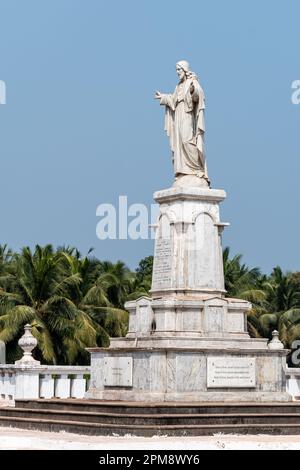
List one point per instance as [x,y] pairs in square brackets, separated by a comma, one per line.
[191,75]
[184,65]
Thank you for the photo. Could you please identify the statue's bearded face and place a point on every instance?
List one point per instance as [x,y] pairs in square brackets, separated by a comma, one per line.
[180,73]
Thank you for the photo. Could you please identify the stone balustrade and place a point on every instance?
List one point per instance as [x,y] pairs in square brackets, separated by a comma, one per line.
[7,383]
[38,381]
[28,379]
[293,382]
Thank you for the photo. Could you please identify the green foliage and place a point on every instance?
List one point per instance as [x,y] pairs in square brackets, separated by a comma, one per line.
[74,302]
[141,282]
[275,299]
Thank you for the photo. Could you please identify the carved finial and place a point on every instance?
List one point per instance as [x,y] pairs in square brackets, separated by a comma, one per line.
[275,342]
[28,342]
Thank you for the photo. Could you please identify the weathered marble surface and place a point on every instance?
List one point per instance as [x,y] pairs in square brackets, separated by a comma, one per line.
[189,342]
[188,253]
[184,123]
[167,375]
[188,320]
[204,316]
[118,371]
[226,371]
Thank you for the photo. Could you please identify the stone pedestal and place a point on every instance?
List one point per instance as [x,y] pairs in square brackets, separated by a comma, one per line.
[188,342]
[188,256]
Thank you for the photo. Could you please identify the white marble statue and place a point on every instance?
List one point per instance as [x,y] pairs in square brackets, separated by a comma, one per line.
[184,124]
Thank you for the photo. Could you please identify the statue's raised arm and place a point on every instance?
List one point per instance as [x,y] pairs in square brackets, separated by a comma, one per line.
[184,124]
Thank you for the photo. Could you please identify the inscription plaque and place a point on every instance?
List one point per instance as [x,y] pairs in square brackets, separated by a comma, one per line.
[231,372]
[118,371]
[162,267]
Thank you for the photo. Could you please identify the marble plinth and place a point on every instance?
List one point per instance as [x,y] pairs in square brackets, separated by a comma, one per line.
[171,374]
[188,341]
[171,343]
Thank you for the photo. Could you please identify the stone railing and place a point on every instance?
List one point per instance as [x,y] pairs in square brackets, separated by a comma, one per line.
[34,382]
[28,379]
[293,382]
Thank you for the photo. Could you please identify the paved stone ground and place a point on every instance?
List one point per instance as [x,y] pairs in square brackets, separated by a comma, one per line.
[20,439]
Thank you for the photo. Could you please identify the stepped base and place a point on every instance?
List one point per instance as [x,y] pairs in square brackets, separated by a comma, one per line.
[146,419]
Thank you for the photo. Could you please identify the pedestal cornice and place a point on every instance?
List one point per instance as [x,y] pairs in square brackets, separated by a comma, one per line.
[199,194]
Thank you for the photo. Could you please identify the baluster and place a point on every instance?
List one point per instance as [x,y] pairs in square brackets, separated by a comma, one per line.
[62,386]
[46,386]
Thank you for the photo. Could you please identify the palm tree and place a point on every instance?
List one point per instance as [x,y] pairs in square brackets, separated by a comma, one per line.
[121,278]
[92,294]
[6,256]
[275,299]
[281,308]
[38,294]
[240,280]
[141,282]
[282,292]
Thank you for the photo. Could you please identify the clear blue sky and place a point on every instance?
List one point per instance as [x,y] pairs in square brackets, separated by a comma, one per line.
[80,126]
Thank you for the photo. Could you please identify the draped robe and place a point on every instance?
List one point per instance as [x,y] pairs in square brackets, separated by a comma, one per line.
[185,127]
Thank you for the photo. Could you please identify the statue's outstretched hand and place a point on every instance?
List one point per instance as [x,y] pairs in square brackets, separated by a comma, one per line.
[157,95]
